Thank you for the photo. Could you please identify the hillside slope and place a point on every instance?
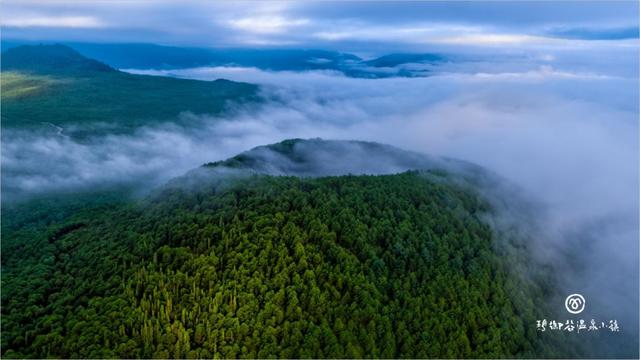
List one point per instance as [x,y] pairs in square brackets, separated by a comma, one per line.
[356,266]
[54,84]
[243,265]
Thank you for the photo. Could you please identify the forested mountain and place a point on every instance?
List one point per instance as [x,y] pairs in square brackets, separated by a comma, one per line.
[255,265]
[45,84]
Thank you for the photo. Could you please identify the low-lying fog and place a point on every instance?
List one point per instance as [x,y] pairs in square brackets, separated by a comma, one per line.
[567,135]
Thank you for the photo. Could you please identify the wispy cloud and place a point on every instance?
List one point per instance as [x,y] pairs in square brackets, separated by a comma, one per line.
[267,24]
[21,21]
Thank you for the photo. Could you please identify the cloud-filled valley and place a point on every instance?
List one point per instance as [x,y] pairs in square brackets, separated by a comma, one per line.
[342,179]
[567,137]
[537,127]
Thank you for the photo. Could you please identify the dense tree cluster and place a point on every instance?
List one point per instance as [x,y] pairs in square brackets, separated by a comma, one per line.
[352,266]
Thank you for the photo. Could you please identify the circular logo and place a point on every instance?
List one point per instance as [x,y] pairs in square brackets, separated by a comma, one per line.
[574,303]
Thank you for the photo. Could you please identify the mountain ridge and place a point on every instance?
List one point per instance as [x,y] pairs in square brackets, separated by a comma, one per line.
[45,84]
[49,59]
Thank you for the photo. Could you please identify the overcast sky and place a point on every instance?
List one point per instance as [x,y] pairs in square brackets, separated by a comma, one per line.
[355,25]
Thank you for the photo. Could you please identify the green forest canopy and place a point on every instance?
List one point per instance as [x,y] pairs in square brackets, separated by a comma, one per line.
[351,266]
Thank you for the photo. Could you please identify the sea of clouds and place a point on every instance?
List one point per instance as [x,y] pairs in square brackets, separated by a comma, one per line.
[563,127]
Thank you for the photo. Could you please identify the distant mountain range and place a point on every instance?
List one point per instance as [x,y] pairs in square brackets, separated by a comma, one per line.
[54,84]
[151,56]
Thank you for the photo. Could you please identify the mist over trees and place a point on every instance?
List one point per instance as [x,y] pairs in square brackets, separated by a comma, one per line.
[355,266]
[479,164]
